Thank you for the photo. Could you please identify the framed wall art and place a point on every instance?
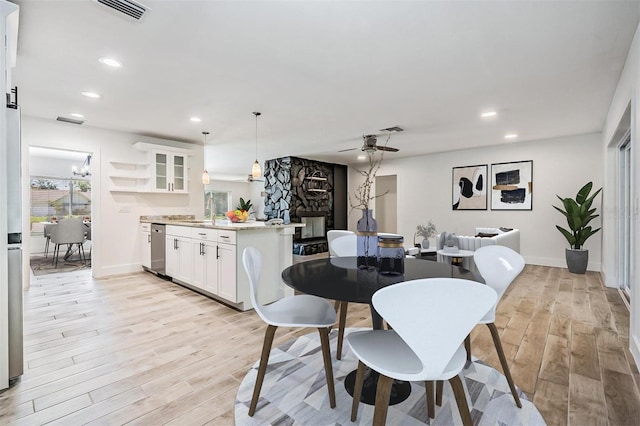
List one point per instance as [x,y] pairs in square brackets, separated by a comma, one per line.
[512,186]
[470,187]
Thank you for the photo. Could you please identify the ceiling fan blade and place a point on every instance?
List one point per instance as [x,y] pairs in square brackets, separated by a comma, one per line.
[348,149]
[387,148]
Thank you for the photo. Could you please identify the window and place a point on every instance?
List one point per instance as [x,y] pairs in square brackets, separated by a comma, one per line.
[59,198]
[221,203]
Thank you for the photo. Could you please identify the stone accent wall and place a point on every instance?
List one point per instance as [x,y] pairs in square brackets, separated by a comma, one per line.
[299,187]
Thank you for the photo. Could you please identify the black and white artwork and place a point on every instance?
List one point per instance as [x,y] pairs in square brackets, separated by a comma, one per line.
[512,186]
[470,187]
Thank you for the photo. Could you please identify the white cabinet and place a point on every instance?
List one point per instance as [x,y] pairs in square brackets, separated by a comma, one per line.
[179,253]
[205,260]
[227,283]
[169,172]
[145,245]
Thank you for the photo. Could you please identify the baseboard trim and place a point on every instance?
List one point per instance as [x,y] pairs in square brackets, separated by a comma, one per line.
[558,263]
[109,271]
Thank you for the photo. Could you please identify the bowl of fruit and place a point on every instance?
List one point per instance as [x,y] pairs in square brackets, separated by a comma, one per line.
[241,213]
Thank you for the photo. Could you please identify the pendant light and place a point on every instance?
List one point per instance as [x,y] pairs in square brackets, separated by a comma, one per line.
[256,172]
[205,175]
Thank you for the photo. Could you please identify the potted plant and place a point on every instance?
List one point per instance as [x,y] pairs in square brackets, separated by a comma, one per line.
[425,231]
[579,213]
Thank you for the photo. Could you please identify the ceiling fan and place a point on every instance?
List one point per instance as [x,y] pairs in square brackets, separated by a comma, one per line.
[370,142]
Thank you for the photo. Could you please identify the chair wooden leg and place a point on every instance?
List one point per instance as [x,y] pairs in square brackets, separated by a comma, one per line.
[439,390]
[383,392]
[503,361]
[467,346]
[431,409]
[357,390]
[461,400]
[262,369]
[341,323]
[328,369]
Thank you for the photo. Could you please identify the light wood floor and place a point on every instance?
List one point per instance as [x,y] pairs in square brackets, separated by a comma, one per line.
[143,350]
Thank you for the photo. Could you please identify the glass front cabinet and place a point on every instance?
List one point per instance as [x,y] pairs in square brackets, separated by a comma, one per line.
[169,172]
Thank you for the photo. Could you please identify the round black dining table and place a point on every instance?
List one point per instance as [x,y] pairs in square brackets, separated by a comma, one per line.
[339,278]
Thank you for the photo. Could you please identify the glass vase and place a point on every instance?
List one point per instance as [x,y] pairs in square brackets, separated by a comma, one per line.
[367,232]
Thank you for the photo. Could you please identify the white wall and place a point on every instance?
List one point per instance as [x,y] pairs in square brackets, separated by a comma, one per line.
[627,91]
[54,167]
[115,215]
[560,166]
[387,206]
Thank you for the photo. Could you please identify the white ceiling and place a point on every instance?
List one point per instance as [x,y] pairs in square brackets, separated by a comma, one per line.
[325,72]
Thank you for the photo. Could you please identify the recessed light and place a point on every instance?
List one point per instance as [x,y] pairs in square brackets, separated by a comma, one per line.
[92,95]
[362,157]
[110,62]
[76,115]
[510,136]
[195,119]
[488,114]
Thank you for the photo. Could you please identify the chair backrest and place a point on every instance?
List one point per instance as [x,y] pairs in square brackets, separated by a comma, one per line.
[68,231]
[252,262]
[434,315]
[344,244]
[499,266]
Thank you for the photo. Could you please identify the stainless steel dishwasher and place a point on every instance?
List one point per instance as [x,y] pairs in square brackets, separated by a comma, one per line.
[157,249]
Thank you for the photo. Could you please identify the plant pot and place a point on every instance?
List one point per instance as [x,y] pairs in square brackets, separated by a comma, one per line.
[577,260]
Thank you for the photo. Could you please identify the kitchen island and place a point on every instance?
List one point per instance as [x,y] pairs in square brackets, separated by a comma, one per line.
[207,257]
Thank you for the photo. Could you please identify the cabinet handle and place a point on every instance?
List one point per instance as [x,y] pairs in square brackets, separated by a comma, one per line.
[224,236]
[149,238]
[217,252]
[168,186]
[201,249]
[172,187]
[175,244]
[202,233]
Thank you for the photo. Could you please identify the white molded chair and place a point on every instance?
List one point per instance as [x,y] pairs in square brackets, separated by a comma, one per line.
[499,266]
[430,319]
[342,244]
[295,311]
[68,231]
[345,246]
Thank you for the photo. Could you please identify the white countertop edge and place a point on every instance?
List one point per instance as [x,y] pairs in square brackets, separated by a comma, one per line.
[222,224]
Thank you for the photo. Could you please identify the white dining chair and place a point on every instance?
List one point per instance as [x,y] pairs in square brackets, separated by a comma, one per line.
[294,311]
[68,232]
[499,266]
[430,319]
[345,246]
[342,244]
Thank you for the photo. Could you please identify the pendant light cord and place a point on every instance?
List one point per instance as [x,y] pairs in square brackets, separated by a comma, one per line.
[256,114]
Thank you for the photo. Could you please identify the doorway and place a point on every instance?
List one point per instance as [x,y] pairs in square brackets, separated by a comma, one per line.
[387,203]
[60,188]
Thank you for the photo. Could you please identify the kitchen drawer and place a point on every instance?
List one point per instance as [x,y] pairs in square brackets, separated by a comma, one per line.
[145,227]
[179,231]
[227,237]
[204,234]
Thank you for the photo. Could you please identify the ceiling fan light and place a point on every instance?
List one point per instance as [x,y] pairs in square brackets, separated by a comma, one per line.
[206,180]
[256,171]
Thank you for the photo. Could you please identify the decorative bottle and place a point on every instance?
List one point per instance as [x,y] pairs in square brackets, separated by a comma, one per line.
[367,232]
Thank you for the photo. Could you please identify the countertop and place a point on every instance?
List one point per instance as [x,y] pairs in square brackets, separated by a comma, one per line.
[219,224]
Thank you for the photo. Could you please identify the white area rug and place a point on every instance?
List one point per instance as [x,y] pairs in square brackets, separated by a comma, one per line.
[294,393]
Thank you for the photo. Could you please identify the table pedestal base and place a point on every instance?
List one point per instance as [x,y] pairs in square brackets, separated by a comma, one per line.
[399,390]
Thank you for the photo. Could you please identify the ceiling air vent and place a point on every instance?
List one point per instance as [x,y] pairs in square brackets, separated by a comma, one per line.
[128,7]
[70,120]
[394,129]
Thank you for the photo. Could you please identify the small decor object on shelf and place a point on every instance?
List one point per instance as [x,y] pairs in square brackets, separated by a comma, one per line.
[425,231]
[241,213]
[579,213]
